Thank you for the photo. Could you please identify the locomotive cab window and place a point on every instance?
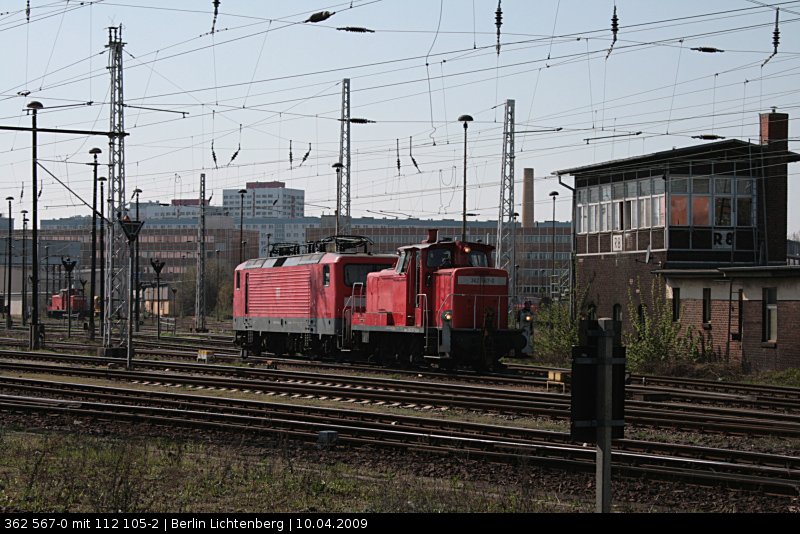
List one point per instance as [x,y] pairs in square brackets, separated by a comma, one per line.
[326,275]
[439,258]
[238,284]
[402,263]
[477,258]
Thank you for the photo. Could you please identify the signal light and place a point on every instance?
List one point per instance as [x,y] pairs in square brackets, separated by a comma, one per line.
[447,316]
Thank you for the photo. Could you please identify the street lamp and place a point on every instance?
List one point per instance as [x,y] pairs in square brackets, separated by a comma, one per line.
[8,266]
[136,263]
[94,152]
[241,224]
[131,229]
[68,266]
[102,180]
[24,270]
[553,194]
[36,334]
[157,266]
[465,119]
[338,166]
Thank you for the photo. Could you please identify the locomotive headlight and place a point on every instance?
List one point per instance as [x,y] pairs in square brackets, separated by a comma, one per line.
[467,250]
[447,316]
[527,317]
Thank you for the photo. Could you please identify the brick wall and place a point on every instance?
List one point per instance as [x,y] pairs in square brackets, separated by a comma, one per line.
[714,334]
[784,354]
[610,277]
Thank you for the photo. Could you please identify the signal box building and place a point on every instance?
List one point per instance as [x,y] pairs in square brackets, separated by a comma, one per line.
[711,220]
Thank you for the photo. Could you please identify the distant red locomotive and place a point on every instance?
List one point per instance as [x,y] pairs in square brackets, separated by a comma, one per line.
[58,305]
[437,300]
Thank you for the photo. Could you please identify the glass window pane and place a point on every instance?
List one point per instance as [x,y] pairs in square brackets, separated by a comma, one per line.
[700,215]
[744,211]
[679,210]
[618,190]
[644,187]
[701,186]
[772,322]
[616,215]
[722,186]
[605,192]
[644,212]
[582,194]
[604,216]
[658,185]
[634,214]
[592,218]
[722,211]
[585,220]
[657,211]
[744,187]
[626,216]
[593,194]
[630,189]
[679,185]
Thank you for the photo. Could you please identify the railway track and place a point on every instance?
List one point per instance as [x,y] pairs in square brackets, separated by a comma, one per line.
[409,393]
[774,474]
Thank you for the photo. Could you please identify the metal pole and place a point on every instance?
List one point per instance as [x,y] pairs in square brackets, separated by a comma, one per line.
[46,270]
[94,152]
[8,267]
[36,335]
[102,180]
[129,352]
[553,194]
[158,304]
[68,266]
[465,119]
[604,378]
[217,304]
[157,266]
[69,303]
[137,290]
[241,225]
[24,270]
[339,200]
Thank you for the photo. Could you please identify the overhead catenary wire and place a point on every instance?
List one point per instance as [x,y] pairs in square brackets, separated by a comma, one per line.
[223,145]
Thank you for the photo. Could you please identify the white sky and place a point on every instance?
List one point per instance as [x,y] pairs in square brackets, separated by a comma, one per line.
[265,78]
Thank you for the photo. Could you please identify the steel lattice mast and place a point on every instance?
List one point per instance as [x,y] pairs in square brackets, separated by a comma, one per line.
[200,292]
[115,305]
[506,231]
[343,183]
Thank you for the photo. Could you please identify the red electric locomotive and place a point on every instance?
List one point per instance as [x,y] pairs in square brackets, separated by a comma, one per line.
[58,305]
[294,303]
[437,300]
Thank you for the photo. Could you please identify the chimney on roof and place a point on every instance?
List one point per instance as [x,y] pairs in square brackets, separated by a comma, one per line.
[775,129]
[433,235]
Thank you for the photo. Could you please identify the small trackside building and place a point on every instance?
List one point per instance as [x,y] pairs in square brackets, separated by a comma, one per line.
[711,220]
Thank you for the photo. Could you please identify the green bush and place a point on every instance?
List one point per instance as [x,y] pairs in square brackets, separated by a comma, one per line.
[655,343]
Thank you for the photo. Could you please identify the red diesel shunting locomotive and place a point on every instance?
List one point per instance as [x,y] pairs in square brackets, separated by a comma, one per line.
[437,300]
[58,306]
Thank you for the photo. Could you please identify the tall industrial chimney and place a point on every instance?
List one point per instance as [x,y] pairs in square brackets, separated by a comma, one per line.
[527,198]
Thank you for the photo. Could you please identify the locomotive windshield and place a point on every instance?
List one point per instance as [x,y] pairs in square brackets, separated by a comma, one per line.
[357,273]
[439,257]
[477,258]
